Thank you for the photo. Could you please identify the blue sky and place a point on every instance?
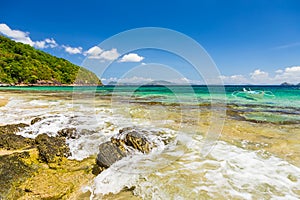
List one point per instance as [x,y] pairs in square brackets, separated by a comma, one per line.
[250,41]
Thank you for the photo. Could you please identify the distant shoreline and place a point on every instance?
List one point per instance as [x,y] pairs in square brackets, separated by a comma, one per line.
[47,85]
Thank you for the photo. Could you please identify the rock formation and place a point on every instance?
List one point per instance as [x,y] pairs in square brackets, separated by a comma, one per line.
[121,145]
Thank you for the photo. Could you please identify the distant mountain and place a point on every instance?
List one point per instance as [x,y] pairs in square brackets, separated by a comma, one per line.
[22,64]
[112,83]
[159,82]
[286,84]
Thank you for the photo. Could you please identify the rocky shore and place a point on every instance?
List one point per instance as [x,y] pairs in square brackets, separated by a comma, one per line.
[40,169]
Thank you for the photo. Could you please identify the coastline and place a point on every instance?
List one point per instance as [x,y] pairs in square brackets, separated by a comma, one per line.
[46,85]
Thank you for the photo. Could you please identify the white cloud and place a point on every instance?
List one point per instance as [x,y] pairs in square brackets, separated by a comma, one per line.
[258,74]
[127,80]
[93,52]
[110,54]
[16,35]
[40,44]
[260,77]
[51,42]
[135,80]
[98,53]
[234,79]
[23,37]
[289,74]
[131,57]
[72,50]
[294,69]
[109,80]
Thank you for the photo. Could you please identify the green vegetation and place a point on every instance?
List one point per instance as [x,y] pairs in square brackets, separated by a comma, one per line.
[22,64]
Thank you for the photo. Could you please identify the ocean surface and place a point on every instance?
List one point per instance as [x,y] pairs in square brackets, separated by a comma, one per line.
[223,143]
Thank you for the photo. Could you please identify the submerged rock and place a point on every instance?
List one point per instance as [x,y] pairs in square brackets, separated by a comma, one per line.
[119,146]
[10,141]
[68,133]
[12,128]
[52,149]
[35,120]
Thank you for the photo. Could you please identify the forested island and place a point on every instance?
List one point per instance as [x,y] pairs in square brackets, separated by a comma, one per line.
[21,64]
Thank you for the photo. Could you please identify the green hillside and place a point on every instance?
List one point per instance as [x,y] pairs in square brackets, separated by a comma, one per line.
[22,64]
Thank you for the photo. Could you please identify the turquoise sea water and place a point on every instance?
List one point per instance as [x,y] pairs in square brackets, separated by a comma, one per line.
[283,107]
[282,92]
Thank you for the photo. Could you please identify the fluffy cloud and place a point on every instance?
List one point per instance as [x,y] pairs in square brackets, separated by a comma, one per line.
[135,80]
[234,79]
[72,50]
[23,37]
[51,42]
[289,74]
[16,35]
[110,55]
[127,80]
[131,57]
[257,74]
[260,77]
[93,53]
[98,53]
[46,43]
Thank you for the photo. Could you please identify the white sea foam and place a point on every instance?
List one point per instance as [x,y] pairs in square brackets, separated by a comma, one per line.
[229,172]
[22,110]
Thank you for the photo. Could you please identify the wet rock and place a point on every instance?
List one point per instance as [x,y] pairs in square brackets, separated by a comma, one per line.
[13,171]
[97,169]
[109,153]
[24,175]
[134,139]
[121,145]
[68,133]
[137,141]
[12,128]
[35,120]
[14,142]
[52,149]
